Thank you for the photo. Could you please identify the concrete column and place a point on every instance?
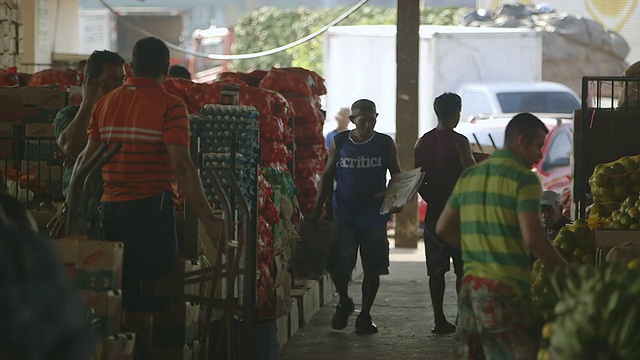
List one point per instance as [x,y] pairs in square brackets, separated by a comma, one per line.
[407,55]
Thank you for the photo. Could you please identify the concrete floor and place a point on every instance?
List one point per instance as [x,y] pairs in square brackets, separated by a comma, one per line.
[402,312]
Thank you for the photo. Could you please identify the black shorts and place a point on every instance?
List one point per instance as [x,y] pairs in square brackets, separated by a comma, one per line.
[147,229]
[372,242]
[439,253]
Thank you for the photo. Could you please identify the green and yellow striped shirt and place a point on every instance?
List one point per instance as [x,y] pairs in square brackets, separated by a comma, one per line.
[489,197]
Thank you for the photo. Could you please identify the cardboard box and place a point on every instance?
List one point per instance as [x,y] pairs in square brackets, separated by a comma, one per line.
[609,238]
[31,104]
[5,12]
[294,317]
[184,266]
[108,308]
[282,324]
[327,290]
[176,327]
[99,265]
[117,347]
[308,301]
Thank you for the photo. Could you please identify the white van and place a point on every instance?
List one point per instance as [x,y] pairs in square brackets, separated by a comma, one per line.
[493,98]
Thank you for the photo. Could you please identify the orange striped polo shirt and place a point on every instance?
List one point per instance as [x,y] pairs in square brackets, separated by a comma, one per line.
[145,119]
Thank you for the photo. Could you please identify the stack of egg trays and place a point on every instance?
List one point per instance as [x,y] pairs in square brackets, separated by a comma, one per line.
[215,128]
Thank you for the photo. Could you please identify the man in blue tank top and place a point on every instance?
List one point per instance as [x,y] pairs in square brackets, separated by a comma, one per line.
[358,163]
[442,154]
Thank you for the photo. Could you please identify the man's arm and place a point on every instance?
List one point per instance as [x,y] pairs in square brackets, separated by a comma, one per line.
[394,165]
[448,226]
[464,152]
[189,183]
[422,190]
[326,181]
[73,139]
[90,149]
[534,239]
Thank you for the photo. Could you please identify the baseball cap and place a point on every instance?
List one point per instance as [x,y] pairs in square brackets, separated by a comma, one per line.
[550,197]
[362,106]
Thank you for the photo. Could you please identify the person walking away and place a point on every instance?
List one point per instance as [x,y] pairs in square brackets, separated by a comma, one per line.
[104,72]
[137,201]
[359,168]
[552,214]
[442,154]
[493,214]
[342,118]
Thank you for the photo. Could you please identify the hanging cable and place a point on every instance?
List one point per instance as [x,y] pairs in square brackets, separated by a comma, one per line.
[239,56]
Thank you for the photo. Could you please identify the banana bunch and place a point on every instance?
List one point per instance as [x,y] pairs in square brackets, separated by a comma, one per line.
[611,184]
[576,243]
[598,314]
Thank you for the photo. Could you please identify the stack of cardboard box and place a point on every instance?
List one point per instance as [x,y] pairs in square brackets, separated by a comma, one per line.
[12,34]
[96,270]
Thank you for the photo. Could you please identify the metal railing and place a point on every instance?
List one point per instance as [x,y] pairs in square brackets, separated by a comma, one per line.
[31,169]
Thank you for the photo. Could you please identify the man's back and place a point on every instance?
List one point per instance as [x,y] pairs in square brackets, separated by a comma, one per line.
[438,156]
[489,197]
[145,119]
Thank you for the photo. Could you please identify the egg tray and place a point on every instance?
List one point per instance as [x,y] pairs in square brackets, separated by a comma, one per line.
[223,160]
[230,110]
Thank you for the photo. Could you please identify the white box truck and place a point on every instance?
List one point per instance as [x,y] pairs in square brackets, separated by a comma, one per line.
[360,62]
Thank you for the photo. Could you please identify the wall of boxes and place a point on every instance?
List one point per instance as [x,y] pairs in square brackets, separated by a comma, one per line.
[11,33]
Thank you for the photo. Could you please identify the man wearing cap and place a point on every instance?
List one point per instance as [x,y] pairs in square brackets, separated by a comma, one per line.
[342,118]
[551,212]
[359,168]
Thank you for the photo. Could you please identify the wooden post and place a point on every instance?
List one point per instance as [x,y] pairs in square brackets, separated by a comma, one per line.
[407,55]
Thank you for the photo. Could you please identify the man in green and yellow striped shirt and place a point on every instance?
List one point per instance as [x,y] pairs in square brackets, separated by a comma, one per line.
[494,216]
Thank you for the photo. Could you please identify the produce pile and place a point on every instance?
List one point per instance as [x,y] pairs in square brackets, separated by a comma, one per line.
[268,220]
[598,314]
[273,118]
[576,243]
[303,88]
[68,77]
[615,187]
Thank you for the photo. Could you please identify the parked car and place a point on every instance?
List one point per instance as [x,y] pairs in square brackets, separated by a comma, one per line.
[514,97]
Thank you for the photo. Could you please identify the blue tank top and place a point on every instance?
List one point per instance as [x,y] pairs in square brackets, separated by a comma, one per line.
[361,174]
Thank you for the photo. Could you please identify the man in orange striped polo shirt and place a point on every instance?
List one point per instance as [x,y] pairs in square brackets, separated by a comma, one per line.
[137,202]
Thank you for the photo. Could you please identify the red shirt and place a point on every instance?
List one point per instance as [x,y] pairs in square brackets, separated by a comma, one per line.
[145,119]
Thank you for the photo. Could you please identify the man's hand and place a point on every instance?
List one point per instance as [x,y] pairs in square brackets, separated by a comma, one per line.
[92,90]
[58,223]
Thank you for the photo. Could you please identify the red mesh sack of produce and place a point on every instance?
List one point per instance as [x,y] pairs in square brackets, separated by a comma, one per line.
[254,77]
[307,204]
[306,109]
[273,152]
[318,87]
[270,212]
[281,107]
[9,78]
[264,191]
[308,185]
[24,79]
[304,151]
[286,81]
[309,134]
[67,77]
[271,128]
[309,167]
[200,95]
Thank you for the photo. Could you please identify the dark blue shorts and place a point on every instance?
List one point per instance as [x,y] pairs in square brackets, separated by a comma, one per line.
[147,229]
[348,238]
[439,254]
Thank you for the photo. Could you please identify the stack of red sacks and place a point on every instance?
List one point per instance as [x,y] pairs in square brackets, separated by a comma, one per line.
[63,78]
[302,88]
[275,132]
[268,218]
